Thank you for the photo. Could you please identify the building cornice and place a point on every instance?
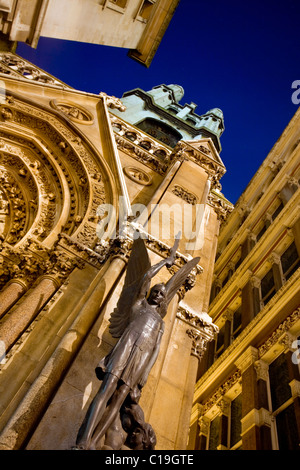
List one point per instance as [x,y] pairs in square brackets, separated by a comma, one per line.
[273,312]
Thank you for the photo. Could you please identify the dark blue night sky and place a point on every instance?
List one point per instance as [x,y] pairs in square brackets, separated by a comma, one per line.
[239,56]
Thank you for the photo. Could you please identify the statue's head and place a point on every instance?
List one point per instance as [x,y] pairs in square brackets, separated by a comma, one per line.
[157,294]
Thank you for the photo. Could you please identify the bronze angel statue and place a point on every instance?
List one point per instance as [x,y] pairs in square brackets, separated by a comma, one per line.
[138,323]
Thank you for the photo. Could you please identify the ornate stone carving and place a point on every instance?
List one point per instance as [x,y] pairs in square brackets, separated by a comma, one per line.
[280,332]
[204,424]
[222,207]
[73,111]
[77,166]
[202,330]
[130,140]
[204,150]
[262,370]
[287,340]
[15,206]
[255,281]
[274,258]
[184,194]
[221,391]
[60,264]
[138,176]
[95,257]
[213,166]
[113,102]
[224,406]
[14,66]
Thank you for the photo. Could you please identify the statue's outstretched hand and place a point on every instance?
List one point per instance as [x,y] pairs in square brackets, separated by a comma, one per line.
[171,258]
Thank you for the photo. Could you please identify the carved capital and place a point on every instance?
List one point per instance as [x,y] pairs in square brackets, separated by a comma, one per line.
[201,331]
[292,182]
[262,370]
[61,264]
[224,406]
[267,217]
[255,281]
[221,206]
[228,314]
[287,340]
[203,424]
[274,258]
[199,343]
[295,388]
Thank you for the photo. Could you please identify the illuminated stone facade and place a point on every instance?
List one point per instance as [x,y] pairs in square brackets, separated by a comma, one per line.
[63,154]
[248,390]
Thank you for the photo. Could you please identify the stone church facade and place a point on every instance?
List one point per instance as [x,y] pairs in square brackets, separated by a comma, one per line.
[64,156]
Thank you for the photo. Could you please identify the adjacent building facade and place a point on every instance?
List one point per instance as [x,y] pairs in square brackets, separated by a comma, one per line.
[248,390]
[66,156]
[138,25]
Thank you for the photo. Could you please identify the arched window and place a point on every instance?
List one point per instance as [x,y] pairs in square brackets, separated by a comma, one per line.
[160,131]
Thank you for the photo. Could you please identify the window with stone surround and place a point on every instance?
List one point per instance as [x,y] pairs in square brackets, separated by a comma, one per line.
[277,211]
[236,323]
[261,232]
[225,429]
[145,10]
[220,342]
[283,407]
[290,261]
[267,287]
[235,425]
[214,433]
[118,3]
[160,131]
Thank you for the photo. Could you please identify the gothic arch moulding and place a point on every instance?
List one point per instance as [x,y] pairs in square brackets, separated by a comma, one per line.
[52,179]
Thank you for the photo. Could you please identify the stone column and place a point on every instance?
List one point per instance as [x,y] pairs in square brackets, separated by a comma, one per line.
[207,360]
[184,421]
[247,245]
[267,220]
[231,267]
[224,406]
[250,300]
[228,315]
[22,315]
[292,346]
[216,287]
[265,418]
[277,270]
[256,419]
[288,190]
[296,234]
[30,410]
[201,336]
[203,432]
[11,293]
[56,269]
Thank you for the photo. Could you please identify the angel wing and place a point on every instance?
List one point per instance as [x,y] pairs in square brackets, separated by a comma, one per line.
[176,281]
[138,265]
